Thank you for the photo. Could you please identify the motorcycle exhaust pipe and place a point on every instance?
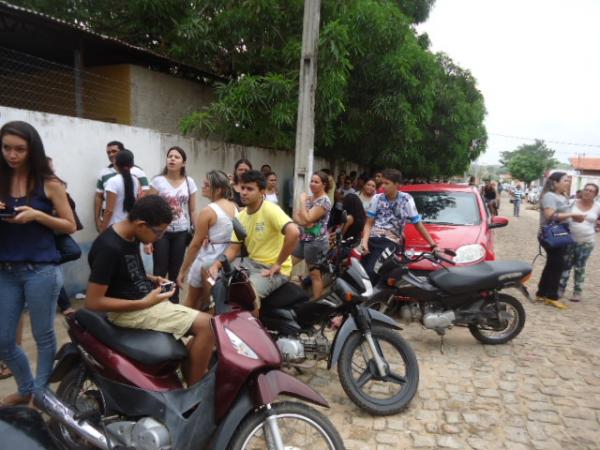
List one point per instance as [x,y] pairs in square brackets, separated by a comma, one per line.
[56,409]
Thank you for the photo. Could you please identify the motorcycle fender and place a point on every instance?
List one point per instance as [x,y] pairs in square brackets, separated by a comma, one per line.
[275,382]
[381,318]
[349,326]
[66,358]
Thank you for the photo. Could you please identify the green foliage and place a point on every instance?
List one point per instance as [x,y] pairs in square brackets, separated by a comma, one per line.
[529,161]
[383,99]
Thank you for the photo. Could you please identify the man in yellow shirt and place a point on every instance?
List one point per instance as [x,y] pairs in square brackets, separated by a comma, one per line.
[271,238]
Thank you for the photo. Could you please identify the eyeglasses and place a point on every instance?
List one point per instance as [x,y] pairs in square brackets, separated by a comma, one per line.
[158,232]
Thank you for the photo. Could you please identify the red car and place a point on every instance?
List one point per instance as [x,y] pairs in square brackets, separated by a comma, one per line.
[457,218]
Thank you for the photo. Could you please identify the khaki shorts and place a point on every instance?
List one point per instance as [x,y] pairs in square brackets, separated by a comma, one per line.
[262,286]
[164,316]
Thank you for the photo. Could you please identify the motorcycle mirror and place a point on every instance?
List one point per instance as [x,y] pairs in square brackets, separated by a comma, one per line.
[239,230]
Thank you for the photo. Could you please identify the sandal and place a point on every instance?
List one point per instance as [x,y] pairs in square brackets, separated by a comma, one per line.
[556,303]
[4,371]
[15,399]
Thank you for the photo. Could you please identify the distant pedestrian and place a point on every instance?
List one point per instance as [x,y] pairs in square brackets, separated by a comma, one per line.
[517,197]
[367,194]
[378,178]
[265,169]
[241,166]
[584,235]
[112,148]
[313,216]
[271,190]
[179,190]
[554,207]
[122,190]
[347,188]
[490,196]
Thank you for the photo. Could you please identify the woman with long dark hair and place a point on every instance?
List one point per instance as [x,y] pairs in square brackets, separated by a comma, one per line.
[313,216]
[554,207]
[179,191]
[122,190]
[213,232]
[29,271]
[241,166]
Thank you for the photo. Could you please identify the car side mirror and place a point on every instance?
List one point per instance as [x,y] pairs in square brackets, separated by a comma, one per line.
[498,222]
[239,230]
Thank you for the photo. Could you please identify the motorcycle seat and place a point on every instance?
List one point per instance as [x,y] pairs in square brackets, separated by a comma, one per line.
[485,275]
[285,296]
[144,346]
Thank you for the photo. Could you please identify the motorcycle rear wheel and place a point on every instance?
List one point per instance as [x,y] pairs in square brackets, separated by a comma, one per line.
[501,331]
[80,393]
[299,425]
[360,378]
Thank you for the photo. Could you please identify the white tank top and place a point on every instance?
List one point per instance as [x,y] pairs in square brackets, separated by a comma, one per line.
[219,234]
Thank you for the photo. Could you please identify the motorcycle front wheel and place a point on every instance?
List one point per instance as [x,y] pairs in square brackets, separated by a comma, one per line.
[78,390]
[505,320]
[286,425]
[360,377]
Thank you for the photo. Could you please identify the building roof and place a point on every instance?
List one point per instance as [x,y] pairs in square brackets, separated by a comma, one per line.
[585,163]
[58,36]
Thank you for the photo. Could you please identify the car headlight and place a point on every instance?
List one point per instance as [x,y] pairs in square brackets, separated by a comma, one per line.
[469,253]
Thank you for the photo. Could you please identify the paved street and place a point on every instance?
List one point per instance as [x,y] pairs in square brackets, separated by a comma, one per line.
[540,391]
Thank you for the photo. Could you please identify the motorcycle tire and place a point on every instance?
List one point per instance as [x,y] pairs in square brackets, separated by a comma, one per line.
[252,432]
[506,332]
[408,382]
[70,391]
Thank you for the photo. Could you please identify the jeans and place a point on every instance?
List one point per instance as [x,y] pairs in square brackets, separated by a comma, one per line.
[38,286]
[64,302]
[376,247]
[517,207]
[168,257]
[555,264]
[576,258]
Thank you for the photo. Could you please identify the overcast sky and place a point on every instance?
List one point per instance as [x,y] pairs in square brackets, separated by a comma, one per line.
[537,63]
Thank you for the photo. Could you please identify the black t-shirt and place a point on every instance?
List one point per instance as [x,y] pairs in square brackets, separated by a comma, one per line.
[116,263]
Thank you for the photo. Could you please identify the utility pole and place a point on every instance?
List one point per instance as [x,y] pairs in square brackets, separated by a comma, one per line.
[305,127]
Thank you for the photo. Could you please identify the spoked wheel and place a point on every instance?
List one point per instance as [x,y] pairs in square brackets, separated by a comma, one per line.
[79,391]
[359,374]
[287,426]
[505,320]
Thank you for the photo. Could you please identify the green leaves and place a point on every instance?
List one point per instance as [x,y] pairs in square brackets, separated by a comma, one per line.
[529,161]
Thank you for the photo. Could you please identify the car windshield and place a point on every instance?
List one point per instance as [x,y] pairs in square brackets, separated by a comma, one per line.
[448,208]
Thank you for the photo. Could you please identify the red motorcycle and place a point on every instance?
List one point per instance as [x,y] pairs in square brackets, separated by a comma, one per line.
[120,389]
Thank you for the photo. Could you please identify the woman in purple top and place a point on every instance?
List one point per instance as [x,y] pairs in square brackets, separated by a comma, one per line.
[29,271]
[313,216]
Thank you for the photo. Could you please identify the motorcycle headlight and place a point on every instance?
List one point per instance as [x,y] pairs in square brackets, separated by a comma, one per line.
[469,253]
[240,346]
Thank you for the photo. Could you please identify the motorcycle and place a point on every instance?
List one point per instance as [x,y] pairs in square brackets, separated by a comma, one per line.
[464,296]
[120,388]
[377,368]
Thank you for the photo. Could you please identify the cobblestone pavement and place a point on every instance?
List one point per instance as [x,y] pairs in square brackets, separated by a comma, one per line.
[542,390]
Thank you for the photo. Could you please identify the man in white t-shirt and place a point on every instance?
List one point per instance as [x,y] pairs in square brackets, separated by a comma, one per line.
[112,148]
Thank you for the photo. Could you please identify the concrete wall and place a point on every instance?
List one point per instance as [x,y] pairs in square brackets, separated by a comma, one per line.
[77,147]
[160,101]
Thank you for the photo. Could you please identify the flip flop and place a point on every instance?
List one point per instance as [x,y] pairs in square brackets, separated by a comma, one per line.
[4,371]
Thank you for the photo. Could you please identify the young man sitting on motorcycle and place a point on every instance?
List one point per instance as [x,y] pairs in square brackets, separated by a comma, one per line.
[119,285]
[271,238]
[388,214]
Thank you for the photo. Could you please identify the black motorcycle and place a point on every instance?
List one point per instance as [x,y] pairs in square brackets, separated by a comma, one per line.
[464,296]
[376,366]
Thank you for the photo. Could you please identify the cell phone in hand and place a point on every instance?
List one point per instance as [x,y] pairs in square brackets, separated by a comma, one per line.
[167,286]
[7,214]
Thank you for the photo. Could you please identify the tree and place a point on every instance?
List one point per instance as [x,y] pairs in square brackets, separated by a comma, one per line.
[529,161]
[383,99]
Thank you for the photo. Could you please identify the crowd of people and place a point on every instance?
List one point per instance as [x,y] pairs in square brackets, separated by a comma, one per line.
[187,246]
[190,247]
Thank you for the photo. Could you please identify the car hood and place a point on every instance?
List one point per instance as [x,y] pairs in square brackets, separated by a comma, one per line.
[446,236]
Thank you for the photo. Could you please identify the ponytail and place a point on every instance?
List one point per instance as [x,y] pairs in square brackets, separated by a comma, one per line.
[124,162]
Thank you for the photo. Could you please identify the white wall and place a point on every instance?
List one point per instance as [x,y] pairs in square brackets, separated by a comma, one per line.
[77,147]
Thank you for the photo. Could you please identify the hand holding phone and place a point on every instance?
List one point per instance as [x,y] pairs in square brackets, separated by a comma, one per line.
[167,286]
[7,214]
